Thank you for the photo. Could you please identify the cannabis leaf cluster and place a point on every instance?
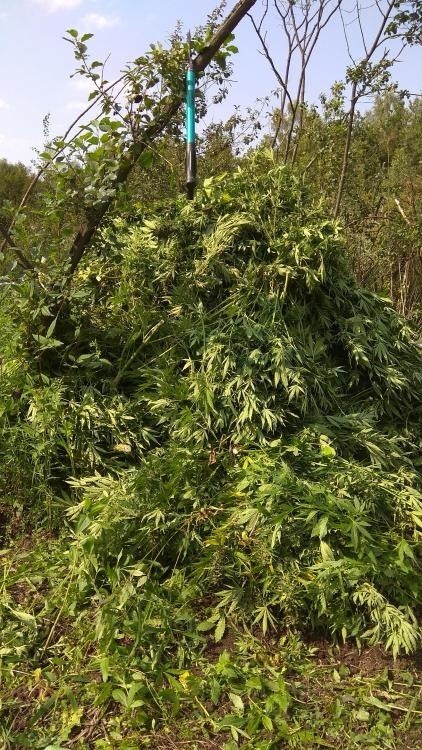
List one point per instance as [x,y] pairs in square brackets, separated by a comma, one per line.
[224,413]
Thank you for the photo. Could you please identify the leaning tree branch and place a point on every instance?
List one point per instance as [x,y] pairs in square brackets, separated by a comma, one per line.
[94,217]
[146,136]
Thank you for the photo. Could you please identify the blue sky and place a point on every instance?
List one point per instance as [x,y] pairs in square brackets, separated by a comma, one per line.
[35,63]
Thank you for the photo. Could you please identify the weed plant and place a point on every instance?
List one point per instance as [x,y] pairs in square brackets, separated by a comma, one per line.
[220,430]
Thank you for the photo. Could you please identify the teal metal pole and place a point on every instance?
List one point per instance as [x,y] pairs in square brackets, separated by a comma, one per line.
[190,128]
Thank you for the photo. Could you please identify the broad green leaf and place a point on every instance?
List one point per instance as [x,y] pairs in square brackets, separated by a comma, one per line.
[374,701]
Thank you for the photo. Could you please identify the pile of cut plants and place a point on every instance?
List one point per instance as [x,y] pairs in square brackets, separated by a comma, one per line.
[210,487]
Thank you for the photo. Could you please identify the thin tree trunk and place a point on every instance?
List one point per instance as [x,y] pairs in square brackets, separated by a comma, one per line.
[346,151]
[353,101]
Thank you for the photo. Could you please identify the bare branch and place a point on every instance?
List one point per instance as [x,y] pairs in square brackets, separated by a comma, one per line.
[355,95]
[270,59]
[401,211]
[361,33]
[309,42]
[346,38]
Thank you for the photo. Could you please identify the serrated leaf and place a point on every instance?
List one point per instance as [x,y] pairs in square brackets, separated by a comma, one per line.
[120,696]
[104,668]
[23,616]
[362,715]
[237,702]
[123,448]
[267,723]
[220,629]
[205,625]
[373,701]
[184,678]
[326,551]
[137,704]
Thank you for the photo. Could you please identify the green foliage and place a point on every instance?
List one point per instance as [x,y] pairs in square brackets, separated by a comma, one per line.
[224,432]
[229,357]
[381,205]
[407,23]
[244,692]
[84,171]
[14,180]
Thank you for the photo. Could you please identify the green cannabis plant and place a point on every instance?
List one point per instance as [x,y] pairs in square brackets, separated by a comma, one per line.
[221,431]
[229,413]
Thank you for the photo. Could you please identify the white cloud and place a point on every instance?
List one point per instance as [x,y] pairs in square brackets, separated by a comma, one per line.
[3,104]
[97,21]
[15,149]
[51,6]
[75,106]
[83,84]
